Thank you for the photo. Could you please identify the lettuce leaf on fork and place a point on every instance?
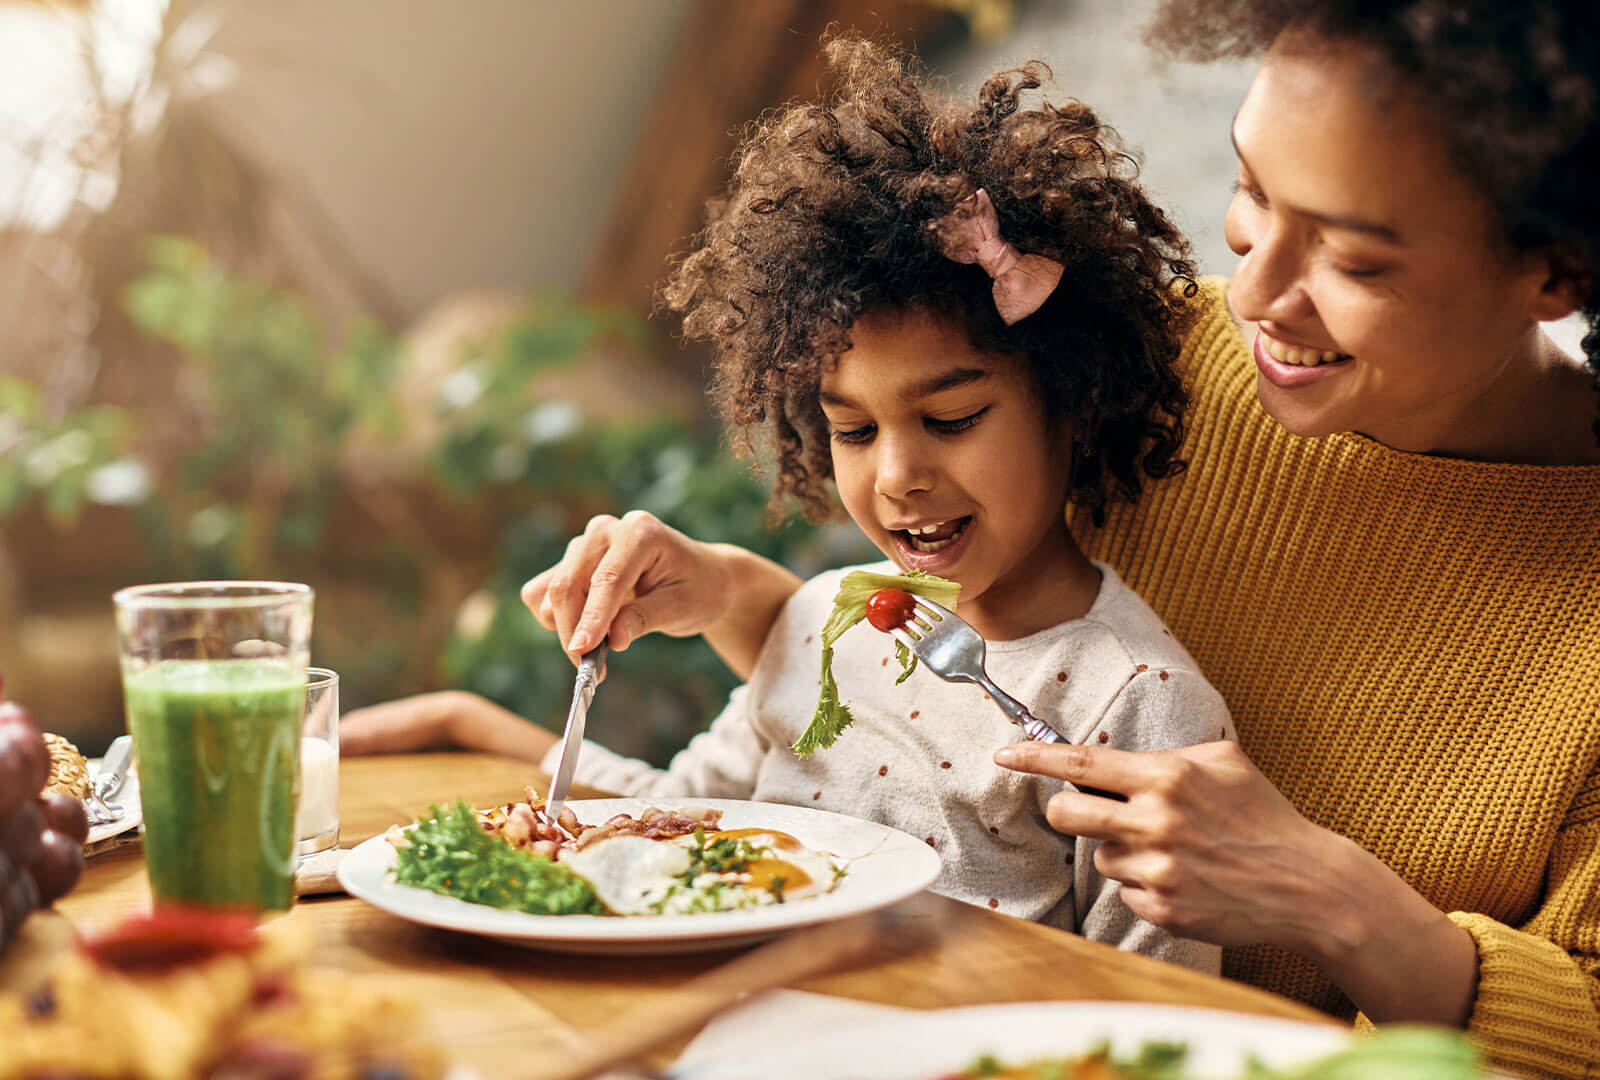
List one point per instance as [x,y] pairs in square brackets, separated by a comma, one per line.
[832,716]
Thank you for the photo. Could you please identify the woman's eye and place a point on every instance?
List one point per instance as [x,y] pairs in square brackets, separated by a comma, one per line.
[1240,187]
[1358,272]
[950,427]
[855,435]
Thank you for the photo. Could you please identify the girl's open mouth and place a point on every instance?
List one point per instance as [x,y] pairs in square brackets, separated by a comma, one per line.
[931,538]
[933,547]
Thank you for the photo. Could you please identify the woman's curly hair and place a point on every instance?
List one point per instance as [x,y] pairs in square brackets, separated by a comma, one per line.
[830,214]
[1515,86]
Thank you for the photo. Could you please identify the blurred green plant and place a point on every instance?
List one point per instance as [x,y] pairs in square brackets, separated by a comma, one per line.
[247,480]
[274,399]
[59,458]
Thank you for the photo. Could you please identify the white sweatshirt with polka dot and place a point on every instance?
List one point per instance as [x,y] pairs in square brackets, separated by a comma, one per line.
[919,756]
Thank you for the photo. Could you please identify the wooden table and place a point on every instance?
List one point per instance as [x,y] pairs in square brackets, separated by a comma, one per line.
[505,1009]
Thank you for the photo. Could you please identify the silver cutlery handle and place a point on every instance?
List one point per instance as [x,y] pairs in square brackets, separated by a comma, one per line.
[590,666]
[113,767]
[1037,731]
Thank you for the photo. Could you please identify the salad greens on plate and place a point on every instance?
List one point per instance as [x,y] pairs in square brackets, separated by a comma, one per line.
[448,852]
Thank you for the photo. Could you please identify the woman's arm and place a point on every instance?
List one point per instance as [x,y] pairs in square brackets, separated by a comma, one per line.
[629,576]
[1206,847]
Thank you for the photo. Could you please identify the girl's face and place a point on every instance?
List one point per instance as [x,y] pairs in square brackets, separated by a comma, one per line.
[944,457]
[1367,263]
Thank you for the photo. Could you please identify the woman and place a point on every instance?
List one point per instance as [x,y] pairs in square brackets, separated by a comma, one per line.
[1404,621]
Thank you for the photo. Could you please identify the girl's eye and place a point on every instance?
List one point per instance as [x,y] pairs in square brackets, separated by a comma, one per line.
[855,435]
[951,427]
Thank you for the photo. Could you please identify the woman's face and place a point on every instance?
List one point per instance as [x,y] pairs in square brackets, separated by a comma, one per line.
[1367,261]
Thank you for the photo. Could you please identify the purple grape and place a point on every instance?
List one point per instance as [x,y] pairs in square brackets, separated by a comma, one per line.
[20,831]
[24,758]
[65,814]
[19,896]
[57,867]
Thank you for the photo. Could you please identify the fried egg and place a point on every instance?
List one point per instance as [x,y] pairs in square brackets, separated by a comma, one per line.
[634,875]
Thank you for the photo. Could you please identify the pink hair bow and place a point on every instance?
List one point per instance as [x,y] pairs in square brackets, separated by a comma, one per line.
[971,234]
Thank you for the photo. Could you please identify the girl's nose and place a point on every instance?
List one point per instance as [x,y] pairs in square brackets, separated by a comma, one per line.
[903,467]
[1268,282]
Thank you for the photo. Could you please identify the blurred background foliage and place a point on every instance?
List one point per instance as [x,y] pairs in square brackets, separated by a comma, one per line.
[245,474]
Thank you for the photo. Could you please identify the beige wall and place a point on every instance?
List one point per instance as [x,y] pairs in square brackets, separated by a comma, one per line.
[455,145]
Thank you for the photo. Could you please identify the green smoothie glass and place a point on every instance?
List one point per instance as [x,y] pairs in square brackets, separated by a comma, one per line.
[214,675]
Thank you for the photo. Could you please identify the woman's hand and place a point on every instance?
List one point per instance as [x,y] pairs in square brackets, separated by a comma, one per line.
[1207,848]
[629,576]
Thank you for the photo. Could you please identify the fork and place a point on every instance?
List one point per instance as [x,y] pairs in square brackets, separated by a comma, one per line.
[951,649]
[99,811]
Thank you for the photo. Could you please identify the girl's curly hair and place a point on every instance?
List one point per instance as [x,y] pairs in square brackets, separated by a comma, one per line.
[1515,87]
[830,214]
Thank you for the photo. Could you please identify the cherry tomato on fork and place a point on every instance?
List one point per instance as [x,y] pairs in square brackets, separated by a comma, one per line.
[890,608]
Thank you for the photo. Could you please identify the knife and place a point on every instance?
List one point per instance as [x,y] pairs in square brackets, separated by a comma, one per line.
[114,767]
[589,668]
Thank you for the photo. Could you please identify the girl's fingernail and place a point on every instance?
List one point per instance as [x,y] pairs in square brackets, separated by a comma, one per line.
[1005,757]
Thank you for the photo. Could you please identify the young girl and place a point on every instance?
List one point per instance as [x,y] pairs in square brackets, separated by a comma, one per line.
[960,317]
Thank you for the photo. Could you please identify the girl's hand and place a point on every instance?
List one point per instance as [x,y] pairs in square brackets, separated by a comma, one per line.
[630,576]
[624,577]
[1207,848]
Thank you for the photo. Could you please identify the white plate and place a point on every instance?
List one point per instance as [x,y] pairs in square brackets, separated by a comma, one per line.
[886,865]
[126,797]
[927,1045]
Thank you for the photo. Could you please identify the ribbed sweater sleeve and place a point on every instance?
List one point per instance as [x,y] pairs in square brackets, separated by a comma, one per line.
[1537,1011]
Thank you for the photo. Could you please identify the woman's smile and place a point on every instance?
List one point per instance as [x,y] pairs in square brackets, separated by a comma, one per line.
[1288,366]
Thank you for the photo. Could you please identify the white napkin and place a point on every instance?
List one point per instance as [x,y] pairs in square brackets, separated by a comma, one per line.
[774,1016]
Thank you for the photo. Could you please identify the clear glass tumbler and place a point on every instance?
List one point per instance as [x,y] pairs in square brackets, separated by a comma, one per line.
[316,823]
[214,675]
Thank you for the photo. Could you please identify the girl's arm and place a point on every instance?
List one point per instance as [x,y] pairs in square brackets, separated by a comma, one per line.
[760,587]
[449,718]
[629,576]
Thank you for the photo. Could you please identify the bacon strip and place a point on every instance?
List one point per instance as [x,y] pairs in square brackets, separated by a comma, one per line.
[526,826]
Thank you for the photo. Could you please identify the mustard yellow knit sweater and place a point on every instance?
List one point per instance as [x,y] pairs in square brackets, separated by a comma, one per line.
[1411,649]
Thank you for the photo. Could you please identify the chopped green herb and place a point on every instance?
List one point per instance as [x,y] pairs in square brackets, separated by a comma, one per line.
[1394,1053]
[725,856]
[832,716]
[448,852]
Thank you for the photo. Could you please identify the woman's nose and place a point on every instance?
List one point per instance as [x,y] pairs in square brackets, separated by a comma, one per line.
[1268,281]
[903,467]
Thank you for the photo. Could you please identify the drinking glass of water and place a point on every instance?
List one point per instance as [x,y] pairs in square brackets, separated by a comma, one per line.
[316,823]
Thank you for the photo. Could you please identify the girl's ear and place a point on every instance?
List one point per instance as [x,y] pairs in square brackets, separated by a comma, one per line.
[1565,286]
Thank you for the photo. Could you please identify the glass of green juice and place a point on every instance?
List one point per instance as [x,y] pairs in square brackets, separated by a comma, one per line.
[214,676]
